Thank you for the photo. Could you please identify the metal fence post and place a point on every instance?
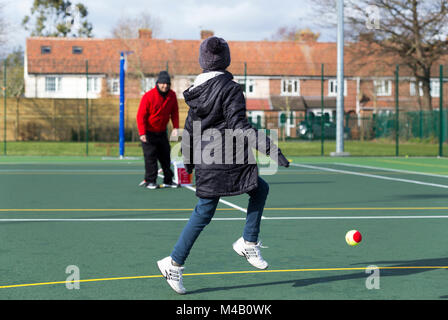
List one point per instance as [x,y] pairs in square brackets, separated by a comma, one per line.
[87,108]
[441,111]
[4,106]
[245,79]
[322,124]
[397,127]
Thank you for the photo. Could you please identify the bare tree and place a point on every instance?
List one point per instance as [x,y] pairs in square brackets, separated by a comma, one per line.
[411,32]
[127,27]
[294,34]
[3,27]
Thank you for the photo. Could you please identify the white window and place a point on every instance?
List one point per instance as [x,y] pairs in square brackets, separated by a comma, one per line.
[148,84]
[413,90]
[114,85]
[93,84]
[290,87]
[53,83]
[249,89]
[434,88]
[333,87]
[383,87]
[256,118]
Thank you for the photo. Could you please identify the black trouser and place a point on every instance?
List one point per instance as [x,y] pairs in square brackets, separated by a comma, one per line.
[156,148]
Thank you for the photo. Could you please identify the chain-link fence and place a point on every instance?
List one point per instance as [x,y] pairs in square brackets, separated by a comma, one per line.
[77,103]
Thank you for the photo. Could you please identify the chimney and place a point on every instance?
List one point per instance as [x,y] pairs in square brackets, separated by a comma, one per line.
[144,33]
[206,34]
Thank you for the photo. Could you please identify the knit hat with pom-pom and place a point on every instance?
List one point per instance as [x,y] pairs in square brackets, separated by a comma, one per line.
[214,54]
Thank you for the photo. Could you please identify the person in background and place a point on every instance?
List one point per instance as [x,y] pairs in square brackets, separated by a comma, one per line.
[156,108]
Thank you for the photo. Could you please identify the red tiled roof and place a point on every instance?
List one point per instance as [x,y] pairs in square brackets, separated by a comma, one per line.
[266,58]
[181,56]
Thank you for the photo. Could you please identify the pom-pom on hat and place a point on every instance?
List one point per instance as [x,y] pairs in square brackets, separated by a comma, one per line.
[214,54]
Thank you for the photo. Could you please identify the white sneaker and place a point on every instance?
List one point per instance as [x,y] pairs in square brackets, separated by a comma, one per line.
[251,252]
[152,186]
[170,185]
[172,274]
[143,184]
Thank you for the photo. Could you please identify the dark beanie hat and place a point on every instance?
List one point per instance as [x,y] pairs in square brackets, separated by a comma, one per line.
[214,54]
[164,77]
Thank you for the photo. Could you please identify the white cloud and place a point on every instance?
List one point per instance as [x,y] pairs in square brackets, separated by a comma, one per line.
[14,12]
[232,19]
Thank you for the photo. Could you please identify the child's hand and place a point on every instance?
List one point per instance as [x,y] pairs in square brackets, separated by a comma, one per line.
[282,161]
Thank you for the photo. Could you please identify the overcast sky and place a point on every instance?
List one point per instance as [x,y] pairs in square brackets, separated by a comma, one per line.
[230,19]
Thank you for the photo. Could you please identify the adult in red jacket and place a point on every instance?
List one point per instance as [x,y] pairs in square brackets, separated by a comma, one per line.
[156,108]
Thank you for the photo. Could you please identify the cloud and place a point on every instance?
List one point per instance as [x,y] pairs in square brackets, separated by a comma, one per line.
[238,20]
[230,19]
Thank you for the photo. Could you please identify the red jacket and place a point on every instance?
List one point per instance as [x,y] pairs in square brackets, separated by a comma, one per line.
[155,111]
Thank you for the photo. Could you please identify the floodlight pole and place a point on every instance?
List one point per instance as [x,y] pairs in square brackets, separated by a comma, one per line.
[441,126]
[340,82]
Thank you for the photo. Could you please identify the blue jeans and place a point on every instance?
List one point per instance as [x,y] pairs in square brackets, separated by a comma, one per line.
[203,214]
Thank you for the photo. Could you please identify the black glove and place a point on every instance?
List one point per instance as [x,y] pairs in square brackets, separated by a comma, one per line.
[282,161]
[189,168]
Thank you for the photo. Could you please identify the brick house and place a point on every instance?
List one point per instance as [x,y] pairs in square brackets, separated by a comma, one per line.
[282,78]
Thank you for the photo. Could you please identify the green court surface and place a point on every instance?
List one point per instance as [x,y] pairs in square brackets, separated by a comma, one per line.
[89,213]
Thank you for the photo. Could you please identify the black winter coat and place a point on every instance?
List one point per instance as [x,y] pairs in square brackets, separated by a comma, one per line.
[218,104]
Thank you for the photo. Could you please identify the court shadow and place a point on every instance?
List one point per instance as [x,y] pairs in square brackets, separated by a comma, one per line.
[422,196]
[229,288]
[405,271]
[437,262]
[411,198]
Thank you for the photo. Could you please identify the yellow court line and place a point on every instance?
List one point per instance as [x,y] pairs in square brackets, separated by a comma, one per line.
[220,273]
[326,173]
[104,210]
[222,209]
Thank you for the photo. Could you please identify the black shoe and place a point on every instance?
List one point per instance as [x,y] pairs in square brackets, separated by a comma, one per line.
[170,185]
[152,185]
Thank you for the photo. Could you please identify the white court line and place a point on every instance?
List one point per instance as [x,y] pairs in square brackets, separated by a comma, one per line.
[393,170]
[109,219]
[356,217]
[373,176]
[220,200]
[225,219]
